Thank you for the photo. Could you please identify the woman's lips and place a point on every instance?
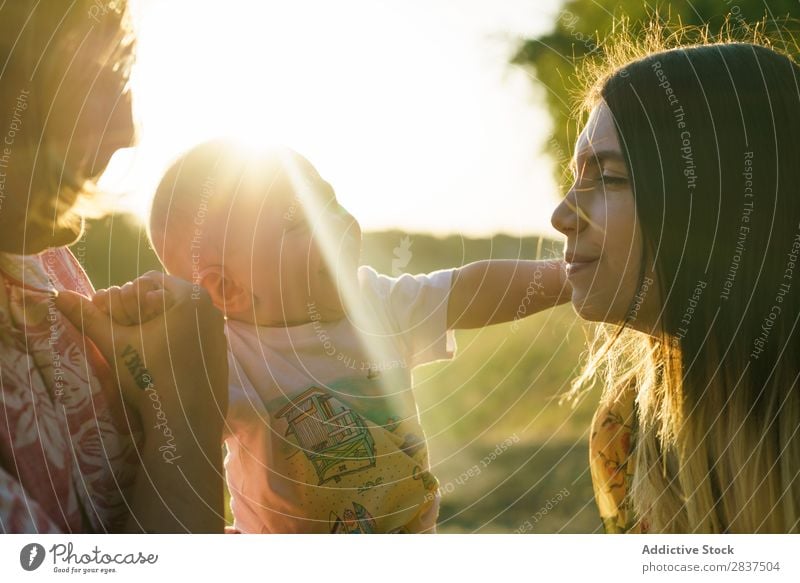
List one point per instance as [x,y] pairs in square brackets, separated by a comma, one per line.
[578,263]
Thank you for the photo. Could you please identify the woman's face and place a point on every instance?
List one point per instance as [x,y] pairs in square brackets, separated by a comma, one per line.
[598,216]
[91,118]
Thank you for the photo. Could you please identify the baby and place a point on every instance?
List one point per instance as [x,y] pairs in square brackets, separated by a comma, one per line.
[323,429]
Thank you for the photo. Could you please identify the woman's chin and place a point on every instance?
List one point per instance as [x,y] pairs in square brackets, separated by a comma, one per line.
[591,308]
[68,235]
[35,240]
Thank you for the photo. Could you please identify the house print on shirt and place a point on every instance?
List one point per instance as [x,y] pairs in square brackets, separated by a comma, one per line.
[335,439]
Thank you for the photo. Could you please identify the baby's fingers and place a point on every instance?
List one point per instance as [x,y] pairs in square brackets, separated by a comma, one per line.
[135,302]
[117,309]
[132,296]
[100,300]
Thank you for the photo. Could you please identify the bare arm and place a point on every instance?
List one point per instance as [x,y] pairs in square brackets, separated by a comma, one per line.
[179,487]
[494,291]
[172,369]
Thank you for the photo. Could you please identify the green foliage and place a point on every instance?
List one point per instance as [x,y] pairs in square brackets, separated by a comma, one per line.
[582,25]
[506,381]
[115,250]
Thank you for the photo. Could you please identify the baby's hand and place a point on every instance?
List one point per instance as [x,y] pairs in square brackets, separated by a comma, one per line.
[135,302]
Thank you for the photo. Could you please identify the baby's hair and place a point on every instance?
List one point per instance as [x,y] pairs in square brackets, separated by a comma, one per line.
[200,191]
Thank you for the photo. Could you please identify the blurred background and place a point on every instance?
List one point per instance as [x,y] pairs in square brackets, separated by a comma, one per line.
[445,128]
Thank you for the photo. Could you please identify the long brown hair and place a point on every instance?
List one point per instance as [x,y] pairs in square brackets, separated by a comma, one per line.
[710,131]
[44,91]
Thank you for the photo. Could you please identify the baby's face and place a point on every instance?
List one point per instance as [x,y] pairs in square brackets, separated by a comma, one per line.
[302,252]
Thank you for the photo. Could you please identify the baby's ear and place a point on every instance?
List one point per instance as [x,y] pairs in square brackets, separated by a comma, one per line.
[226,293]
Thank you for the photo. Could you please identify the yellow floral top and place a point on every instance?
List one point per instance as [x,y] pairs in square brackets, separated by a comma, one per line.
[613,436]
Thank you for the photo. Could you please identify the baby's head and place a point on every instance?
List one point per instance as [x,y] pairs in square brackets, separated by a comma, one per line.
[262,232]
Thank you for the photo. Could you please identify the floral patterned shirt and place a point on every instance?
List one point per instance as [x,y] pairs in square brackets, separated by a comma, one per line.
[611,462]
[67,455]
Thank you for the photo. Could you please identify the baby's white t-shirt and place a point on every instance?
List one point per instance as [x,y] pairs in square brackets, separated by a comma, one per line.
[323,431]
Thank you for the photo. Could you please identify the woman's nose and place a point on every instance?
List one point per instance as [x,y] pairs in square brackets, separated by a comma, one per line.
[566,216]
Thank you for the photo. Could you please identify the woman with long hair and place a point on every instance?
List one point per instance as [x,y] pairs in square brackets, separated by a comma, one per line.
[683,241]
[92,439]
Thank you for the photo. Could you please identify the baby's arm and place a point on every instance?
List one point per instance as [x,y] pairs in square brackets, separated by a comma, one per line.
[495,291]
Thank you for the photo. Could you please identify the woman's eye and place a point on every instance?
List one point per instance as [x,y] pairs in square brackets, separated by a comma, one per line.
[606,179]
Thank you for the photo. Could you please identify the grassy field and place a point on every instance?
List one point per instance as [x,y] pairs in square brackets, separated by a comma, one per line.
[501,444]
[499,394]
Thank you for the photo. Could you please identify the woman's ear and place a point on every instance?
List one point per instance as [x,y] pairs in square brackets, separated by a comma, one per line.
[226,293]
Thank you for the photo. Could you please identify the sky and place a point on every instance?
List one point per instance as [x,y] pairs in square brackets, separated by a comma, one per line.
[409,108]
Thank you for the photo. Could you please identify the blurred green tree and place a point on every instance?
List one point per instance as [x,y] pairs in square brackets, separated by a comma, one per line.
[581,25]
[114,250]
